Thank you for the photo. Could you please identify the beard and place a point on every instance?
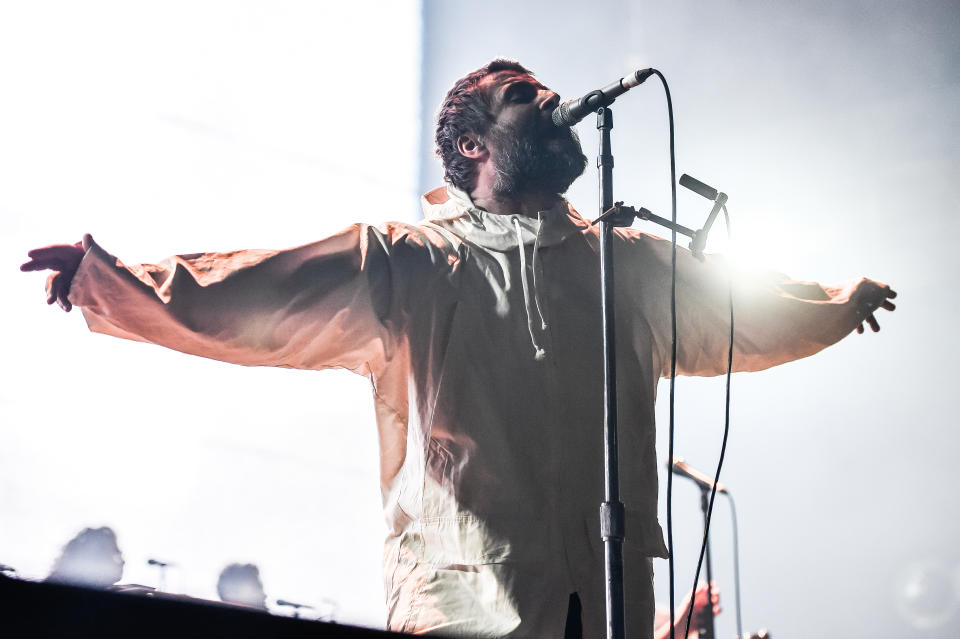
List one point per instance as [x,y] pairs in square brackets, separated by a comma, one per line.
[542,159]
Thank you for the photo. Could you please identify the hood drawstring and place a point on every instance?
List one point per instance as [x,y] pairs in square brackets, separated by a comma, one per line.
[533,266]
[539,352]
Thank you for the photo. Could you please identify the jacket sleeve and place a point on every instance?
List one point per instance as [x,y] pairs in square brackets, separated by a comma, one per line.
[776,320]
[321,305]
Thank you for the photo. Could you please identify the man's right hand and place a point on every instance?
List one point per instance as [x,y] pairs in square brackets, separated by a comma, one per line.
[63,260]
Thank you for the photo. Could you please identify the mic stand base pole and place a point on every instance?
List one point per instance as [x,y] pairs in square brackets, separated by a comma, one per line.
[611,510]
[709,631]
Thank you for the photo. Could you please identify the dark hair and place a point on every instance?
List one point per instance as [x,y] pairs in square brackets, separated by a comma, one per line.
[235,574]
[91,558]
[466,110]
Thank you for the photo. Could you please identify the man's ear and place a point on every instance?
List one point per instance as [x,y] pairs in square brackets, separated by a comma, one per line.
[470,146]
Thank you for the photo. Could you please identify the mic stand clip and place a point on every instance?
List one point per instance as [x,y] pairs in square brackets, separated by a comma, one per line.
[622,215]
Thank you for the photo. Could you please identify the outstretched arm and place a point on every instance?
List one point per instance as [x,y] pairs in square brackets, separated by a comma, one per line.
[776,319]
[325,304]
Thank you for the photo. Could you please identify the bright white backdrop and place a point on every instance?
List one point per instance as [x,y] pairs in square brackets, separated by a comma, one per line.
[178,127]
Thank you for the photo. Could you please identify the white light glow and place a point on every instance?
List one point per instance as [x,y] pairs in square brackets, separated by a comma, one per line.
[172,128]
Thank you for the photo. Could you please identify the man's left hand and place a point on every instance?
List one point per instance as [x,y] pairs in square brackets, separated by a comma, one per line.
[870,296]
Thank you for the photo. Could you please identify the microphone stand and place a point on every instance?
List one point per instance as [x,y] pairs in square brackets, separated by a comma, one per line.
[707,630]
[162,566]
[612,517]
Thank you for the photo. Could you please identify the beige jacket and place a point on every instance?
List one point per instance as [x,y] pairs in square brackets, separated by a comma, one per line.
[480,334]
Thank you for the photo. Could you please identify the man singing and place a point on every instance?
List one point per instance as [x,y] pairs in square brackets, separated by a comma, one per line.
[478,331]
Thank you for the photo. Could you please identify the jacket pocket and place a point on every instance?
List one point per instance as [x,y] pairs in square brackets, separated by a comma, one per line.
[459,541]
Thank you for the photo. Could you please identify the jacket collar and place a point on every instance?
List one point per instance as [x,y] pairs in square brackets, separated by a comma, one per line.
[450,208]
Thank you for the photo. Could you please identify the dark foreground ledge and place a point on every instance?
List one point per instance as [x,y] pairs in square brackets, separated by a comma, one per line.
[30,609]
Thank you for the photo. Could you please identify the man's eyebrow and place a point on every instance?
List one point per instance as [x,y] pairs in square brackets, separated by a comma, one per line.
[518,81]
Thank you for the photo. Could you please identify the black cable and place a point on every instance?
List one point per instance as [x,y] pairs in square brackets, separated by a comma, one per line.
[733,507]
[723,446]
[733,510]
[673,341]
[673,377]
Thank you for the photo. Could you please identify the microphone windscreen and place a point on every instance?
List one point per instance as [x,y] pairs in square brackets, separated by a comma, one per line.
[698,187]
[561,115]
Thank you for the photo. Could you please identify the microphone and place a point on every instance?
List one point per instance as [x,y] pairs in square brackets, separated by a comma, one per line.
[680,467]
[719,200]
[698,187]
[157,562]
[572,111]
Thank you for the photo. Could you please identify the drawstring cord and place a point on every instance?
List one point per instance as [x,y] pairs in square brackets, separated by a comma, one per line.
[539,352]
[533,265]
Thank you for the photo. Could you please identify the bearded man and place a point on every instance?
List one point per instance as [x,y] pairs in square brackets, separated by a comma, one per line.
[478,331]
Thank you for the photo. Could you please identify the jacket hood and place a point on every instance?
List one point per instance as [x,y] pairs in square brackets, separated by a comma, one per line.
[450,208]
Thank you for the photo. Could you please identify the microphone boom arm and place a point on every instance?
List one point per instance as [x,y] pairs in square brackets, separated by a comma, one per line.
[621,215]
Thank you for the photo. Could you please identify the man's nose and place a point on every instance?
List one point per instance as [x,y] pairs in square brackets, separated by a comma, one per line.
[551,102]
